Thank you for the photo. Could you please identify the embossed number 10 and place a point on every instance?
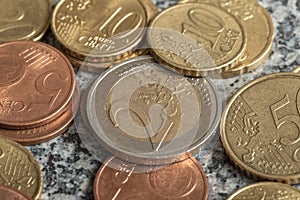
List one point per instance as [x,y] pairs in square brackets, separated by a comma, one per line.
[113,24]
[206,26]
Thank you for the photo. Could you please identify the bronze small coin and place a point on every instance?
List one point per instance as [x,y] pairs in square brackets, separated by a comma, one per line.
[181,180]
[19,169]
[36,84]
[45,132]
[8,193]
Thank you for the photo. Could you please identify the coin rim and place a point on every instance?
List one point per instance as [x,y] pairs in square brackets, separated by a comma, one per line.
[32,160]
[253,185]
[193,71]
[243,67]
[63,106]
[164,158]
[101,57]
[246,169]
[193,159]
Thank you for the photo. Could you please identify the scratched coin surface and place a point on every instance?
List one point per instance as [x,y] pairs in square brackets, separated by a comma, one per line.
[24,20]
[9,193]
[260,128]
[19,170]
[145,113]
[181,180]
[101,29]
[45,132]
[266,191]
[219,33]
[37,83]
[252,17]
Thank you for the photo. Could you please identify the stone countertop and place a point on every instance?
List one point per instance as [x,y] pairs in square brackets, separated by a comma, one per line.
[69,169]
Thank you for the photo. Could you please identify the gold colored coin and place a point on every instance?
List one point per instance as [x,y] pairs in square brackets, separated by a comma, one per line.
[267,191]
[260,128]
[253,17]
[210,28]
[18,169]
[24,20]
[150,8]
[99,30]
[296,70]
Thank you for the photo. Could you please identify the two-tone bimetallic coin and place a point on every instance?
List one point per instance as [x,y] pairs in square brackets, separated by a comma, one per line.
[211,28]
[147,114]
[24,20]
[181,180]
[266,190]
[9,193]
[260,128]
[19,170]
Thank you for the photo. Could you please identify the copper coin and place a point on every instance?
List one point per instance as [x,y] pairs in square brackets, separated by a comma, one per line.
[36,84]
[8,193]
[180,180]
[48,131]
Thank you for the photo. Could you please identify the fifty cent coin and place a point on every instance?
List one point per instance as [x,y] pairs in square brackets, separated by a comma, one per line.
[260,128]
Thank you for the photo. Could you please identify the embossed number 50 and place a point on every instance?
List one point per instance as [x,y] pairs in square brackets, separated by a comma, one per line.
[295,119]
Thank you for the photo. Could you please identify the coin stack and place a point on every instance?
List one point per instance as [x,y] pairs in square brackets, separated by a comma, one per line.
[39,95]
[93,40]
[227,30]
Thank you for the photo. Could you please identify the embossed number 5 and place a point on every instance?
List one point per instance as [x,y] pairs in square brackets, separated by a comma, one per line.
[288,118]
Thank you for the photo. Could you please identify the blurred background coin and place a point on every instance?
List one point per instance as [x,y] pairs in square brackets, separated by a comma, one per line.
[266,190]
[24,20]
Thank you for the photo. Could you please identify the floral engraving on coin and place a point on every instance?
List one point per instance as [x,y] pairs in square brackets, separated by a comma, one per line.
[11,67]
[16,169]
[173,181]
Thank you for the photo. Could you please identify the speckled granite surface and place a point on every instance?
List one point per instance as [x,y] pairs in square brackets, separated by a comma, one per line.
[69,169]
